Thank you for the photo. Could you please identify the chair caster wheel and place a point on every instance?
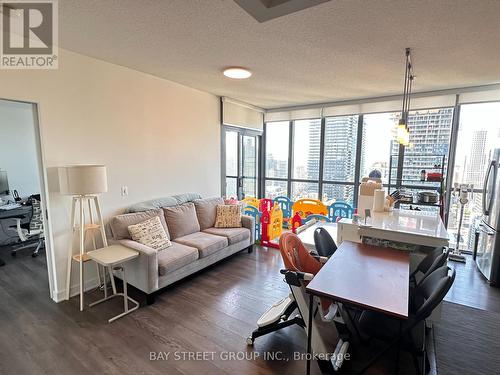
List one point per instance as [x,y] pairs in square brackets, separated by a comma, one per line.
[13,253]
[34,255]
[249,341]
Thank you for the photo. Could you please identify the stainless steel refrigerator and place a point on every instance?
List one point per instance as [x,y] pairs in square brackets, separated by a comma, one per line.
[488,244]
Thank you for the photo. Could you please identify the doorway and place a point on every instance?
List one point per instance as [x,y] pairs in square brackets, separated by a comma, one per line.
[240,170]
[23,214]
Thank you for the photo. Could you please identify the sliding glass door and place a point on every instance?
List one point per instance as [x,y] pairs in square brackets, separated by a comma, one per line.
[241,162]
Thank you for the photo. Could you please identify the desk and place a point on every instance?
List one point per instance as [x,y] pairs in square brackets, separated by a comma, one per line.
[374,278]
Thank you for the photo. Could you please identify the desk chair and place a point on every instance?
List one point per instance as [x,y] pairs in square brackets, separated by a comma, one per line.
[434,260]
[324,243]
[30,234]
[396,332]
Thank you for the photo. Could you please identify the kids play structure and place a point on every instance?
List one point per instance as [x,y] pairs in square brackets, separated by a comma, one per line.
[272,216]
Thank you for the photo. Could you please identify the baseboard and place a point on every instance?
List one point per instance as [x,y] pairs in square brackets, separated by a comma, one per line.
[74,290]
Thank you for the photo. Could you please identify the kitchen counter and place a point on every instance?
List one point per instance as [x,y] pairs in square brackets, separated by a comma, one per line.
[406,226]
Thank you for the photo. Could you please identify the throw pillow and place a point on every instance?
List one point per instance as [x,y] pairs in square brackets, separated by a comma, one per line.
[150,233]
[228,216]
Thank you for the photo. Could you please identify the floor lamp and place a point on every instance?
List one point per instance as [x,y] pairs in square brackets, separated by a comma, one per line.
[84,183]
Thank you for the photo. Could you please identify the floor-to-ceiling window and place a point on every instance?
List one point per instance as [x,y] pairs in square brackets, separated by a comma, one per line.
[277,159]
[430,131]
[339,165]
[307,153]
[327,159]
[378,143]
[478,136]
[306,143]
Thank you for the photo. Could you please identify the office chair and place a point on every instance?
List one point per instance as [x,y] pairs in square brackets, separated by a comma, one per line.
[324,243]
[30,234]
[428,295]
[434,260]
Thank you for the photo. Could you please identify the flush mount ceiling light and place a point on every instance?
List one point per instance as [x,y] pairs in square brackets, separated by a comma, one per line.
[237,73]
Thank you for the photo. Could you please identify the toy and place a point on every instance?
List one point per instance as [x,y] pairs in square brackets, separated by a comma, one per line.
[339,210]
[272,226]
[252,211]
[251,201]
[286,206]
[296,222]
[305,207]
[265,204]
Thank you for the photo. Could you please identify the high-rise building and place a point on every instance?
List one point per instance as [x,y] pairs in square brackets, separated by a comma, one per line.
[430,132]
[339,155]
[477,160]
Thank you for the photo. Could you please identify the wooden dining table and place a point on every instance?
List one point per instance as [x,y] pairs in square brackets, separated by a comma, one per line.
[369,277]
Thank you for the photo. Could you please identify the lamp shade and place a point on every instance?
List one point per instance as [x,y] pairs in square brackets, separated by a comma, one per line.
[83,179]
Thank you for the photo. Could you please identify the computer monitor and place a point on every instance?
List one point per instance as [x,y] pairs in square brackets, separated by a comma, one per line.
[4,184]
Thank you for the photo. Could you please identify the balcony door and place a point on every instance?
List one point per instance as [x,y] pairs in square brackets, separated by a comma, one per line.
[241,157]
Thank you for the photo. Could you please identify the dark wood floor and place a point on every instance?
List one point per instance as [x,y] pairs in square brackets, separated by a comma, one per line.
[214,311]
[471,289]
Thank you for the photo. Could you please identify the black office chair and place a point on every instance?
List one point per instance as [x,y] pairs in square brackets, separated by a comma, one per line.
[324,243]
[428,295]
[424,265]
[436,259]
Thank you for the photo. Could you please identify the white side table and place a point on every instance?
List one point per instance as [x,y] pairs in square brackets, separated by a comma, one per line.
[112,258]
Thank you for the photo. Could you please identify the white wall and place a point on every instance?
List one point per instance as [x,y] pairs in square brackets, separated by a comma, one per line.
[18,152]
[155,136]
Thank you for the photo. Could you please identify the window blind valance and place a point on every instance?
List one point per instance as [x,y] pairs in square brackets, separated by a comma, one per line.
[360,107]
[479,96]
[242,115]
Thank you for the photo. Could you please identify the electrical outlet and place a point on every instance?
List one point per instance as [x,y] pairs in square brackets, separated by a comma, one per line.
[124,191]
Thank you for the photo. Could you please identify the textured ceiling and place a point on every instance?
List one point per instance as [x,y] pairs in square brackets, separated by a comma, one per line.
[338,50]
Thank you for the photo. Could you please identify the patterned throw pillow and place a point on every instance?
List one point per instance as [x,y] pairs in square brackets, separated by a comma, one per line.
[150,233]
[228,216]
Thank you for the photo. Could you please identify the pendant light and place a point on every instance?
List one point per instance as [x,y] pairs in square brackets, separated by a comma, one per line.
[403,132]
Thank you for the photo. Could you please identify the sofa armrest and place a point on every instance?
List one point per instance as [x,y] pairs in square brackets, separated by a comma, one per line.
[142,272]
[249,223]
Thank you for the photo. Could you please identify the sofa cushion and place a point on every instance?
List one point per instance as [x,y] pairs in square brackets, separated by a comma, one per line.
[175,257]
[233,235]
[174,200]
[206,210]
[119,224]
[205,243]
[150,233]
[181,220]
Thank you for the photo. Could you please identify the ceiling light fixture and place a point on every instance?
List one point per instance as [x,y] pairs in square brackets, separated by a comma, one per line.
[403,133]
[237,73]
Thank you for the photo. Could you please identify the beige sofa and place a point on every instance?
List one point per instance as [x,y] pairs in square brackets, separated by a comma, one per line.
[196,244]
